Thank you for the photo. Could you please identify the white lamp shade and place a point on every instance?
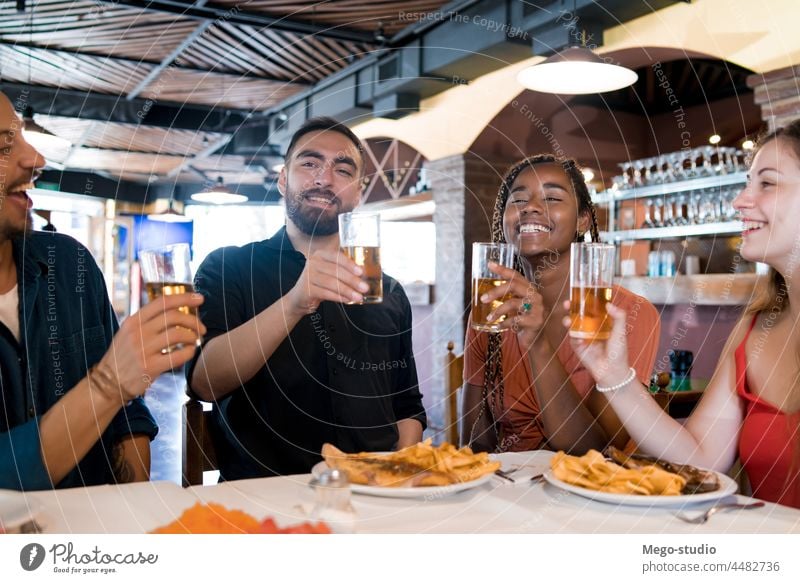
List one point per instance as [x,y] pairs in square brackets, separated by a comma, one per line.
[218,197]
[576,71]
[219,194]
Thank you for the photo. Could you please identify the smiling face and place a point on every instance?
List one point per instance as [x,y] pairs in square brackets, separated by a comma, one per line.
[541,213]
[770,207]
[20,165]
[321,180]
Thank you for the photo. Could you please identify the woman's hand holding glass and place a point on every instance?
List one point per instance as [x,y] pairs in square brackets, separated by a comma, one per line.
[606,360]
[521,310]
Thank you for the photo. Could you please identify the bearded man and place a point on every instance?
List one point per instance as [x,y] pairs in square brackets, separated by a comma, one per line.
[287,362]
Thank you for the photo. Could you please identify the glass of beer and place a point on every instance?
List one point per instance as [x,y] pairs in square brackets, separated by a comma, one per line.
[591,280]
[360,240]
[484,280]
[166,271]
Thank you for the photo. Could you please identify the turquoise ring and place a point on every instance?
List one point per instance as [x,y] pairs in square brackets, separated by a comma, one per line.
[526,307]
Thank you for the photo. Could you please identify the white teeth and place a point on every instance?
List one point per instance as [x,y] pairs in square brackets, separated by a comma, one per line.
[752,225]
[23,187]
[319,199]
[533,229]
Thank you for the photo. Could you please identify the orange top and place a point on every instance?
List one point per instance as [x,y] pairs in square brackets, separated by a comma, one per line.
[520,426]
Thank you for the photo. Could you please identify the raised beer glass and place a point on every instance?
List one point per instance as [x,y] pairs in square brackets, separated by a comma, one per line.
[166,271]
[360,240]
[591,280]
[484,280]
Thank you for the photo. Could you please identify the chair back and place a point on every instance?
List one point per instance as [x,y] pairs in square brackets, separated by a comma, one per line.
[454,379]
[198,449]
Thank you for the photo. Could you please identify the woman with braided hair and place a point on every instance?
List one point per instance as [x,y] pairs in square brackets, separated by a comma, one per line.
[524,387]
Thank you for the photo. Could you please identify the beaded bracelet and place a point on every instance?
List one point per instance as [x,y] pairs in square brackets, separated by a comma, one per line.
[628,379]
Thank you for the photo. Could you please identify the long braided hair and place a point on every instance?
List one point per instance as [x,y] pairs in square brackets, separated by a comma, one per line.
[493,387]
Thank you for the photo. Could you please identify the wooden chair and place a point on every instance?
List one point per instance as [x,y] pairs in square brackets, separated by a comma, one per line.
[198,449]
[453,379]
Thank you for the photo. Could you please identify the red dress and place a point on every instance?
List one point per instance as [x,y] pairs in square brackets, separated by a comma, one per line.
[769,442]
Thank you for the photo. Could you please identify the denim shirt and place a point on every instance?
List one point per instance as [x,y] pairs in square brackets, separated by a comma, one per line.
[66,325]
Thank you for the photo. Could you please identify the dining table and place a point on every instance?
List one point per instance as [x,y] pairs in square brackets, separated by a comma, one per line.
[497,506]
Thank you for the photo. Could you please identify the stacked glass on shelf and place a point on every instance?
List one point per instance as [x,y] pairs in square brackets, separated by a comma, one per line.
[707,205]
[679,166]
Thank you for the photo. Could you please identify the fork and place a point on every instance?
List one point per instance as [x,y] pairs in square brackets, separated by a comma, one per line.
[703,518]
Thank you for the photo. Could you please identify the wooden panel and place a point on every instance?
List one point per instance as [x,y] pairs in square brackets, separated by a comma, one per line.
[42,67]
[119,136]
[218,90]
[122,162]
[354,14]
[95,27]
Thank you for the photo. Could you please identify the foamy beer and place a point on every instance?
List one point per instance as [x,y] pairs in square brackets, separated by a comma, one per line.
[166,272]
[484,280]
[360,240]
[591,278]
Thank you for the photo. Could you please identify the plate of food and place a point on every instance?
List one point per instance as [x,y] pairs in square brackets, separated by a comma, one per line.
[636,480]
[416,471]
[16,509]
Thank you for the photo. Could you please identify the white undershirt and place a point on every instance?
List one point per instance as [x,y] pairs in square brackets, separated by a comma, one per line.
[9,311]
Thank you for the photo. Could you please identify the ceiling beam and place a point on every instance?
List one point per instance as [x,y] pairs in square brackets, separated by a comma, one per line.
[230,14]
[134,62]
[169,59]
[147,112]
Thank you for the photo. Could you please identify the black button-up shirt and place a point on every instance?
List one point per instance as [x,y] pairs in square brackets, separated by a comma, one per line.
[66,325]
[345,374]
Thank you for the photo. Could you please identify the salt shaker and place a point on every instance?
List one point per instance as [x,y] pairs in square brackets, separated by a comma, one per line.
[332,502]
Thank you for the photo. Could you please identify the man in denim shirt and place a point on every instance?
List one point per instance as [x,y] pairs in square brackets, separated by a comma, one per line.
[71,380]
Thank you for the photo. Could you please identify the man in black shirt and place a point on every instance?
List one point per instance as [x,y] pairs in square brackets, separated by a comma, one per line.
[289,364]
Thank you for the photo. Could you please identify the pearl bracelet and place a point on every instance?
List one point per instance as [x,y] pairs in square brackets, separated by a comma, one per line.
[628,380]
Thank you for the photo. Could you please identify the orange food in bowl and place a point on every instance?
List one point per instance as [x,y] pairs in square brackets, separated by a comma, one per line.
[216,519]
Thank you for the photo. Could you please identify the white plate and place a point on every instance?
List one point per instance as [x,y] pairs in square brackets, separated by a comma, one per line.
[16,509]
[420,492]
[726,487]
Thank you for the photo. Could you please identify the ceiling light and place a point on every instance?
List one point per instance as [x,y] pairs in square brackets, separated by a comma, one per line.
[715,139]
[748,145]
[219,194]
[588,175]
[576,71]
[169,216]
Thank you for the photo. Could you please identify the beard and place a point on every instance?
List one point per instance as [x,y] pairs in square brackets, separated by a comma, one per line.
[313,220]
[13,229]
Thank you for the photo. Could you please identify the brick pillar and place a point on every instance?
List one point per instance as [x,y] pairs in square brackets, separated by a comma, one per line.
[777,94]
[464,189]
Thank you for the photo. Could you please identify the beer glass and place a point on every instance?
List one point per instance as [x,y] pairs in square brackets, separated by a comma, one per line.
[166,271]
[591,278]
[483,281]
[360,240]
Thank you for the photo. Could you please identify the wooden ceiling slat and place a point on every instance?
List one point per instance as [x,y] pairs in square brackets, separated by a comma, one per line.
[221,90]
[281,44]
[336,58]
[300,47]
[294,71]
[260,58]
[97,159]
[353,14]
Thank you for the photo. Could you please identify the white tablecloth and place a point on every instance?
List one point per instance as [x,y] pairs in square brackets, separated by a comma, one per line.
[496,507]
